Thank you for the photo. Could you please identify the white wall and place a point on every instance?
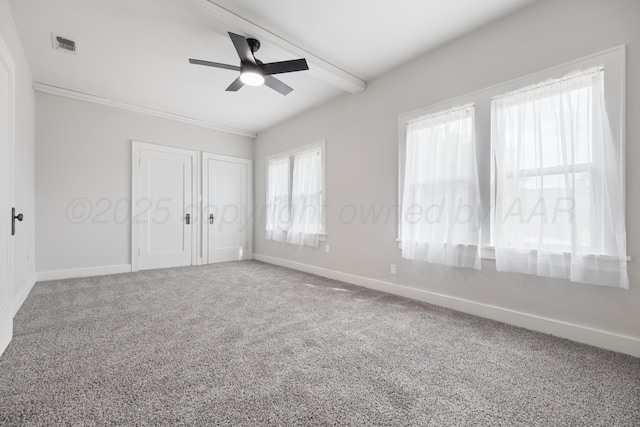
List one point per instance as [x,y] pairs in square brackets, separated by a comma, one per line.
[83,154]
[23,247]
[362,170]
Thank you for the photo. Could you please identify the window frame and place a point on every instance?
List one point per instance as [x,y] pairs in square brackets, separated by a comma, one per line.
[321,144]
[614,62]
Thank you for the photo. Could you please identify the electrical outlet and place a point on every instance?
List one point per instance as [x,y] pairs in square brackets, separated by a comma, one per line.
[326,248]
[393,269]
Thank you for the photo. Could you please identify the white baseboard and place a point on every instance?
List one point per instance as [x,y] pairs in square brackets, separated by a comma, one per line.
[598,338]
[22,295]
[83,272]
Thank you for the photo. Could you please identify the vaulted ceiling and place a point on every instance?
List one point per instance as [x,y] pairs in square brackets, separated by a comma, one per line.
[136,52]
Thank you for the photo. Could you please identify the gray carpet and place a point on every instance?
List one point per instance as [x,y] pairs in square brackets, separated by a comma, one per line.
[247,343]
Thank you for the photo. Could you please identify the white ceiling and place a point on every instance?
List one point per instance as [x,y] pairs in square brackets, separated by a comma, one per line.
[136,51]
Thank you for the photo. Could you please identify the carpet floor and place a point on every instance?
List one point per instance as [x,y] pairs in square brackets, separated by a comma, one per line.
[246,343]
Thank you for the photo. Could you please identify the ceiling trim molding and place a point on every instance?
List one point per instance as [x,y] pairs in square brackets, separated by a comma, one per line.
[80,96]
[318,67]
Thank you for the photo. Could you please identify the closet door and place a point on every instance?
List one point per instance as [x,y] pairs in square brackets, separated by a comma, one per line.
[227,219]
[164,222]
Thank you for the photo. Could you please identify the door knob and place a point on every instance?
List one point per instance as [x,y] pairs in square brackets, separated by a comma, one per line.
[211,218]
[19,217]
[188,218]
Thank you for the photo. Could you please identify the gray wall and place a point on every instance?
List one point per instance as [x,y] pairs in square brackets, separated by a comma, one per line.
[362,160]
[23,241]
[83,151]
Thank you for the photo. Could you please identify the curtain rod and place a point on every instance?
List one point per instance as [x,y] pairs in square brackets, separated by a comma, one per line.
[442,112]
[549,82]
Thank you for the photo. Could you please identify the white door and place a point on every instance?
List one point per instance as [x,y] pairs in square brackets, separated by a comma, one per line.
[227,221]
[6,166]
[163,210]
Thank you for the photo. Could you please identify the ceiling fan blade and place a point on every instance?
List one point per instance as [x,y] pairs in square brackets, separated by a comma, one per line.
[285,66]
[237,84]
[277,85]
[214,64]
[242,47]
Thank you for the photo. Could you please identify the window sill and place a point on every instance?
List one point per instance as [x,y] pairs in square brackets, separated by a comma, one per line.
[486,252]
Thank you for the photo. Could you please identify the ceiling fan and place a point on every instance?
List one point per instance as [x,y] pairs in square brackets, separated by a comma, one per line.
[254,72]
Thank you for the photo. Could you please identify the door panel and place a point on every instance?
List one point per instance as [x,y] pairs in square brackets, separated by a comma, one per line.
[163,202]
[6,166]
[227,195]
[168,182]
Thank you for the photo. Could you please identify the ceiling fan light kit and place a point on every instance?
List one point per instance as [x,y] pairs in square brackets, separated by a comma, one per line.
[252,78]
[251,74]
[254,72]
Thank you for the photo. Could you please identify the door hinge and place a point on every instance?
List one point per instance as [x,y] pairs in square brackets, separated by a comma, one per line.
[139,252]
[140,161]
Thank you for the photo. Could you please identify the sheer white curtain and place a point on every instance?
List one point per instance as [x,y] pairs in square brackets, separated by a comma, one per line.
[559,211]
[278,216]
[440,202]
[306,199]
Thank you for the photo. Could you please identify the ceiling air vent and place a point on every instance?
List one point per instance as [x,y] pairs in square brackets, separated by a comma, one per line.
[63,43]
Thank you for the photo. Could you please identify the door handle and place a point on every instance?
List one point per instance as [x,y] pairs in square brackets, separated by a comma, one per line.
[188,219]
[211,218]
[19,217]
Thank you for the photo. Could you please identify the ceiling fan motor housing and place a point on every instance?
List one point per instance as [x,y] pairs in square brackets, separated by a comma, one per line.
[254,45]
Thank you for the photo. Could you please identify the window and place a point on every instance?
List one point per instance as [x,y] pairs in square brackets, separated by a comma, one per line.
[558,208]
[550,166]
[295,196]
[278,209]
[441,195]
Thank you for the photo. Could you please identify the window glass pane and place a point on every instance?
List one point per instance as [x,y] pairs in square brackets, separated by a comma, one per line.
[551,131]
[541,209]
[440,193]
[278,209]
[543,137]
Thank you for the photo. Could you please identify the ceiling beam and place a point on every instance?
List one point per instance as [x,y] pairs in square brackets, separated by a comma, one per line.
[318,67]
